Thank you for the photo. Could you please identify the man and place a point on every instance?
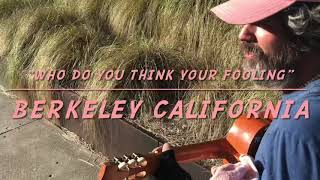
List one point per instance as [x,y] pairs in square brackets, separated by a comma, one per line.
[280,34]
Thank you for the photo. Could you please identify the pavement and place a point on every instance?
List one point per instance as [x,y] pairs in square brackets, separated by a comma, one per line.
[37,149]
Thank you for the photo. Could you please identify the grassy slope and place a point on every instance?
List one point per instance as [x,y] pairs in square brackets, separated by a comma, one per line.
[124,34]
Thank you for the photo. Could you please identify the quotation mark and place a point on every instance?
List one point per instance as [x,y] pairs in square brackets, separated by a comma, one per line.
[291,71]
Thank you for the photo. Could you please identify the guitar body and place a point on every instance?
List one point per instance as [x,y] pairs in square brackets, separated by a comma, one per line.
[246,134]
[243,138]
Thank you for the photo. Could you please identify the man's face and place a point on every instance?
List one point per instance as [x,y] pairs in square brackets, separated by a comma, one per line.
[266,46]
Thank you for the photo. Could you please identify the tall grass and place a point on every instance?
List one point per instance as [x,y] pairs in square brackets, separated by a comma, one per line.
[26,39]
[177,24]
[139,56]
[123,34]
[9,7]
[133,56]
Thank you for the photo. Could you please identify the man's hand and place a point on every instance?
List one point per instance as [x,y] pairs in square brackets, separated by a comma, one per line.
[239,171]
[164,148]
[229,172]
[169,168]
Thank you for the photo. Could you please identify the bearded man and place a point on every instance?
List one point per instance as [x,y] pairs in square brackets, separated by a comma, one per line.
[279,34]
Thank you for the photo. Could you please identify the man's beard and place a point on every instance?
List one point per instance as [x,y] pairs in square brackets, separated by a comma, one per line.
[286,58]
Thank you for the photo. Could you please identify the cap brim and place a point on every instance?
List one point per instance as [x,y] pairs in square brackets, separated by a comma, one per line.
[249,11]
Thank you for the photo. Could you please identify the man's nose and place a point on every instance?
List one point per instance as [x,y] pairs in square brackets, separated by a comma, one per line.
[247,33]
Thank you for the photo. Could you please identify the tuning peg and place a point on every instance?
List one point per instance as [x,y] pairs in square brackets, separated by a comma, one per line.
[123,166]
[125,157]
[117,160]
[139,159]
[130,161]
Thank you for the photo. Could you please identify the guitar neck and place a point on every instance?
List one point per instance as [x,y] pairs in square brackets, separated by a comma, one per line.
[241,135]
[217,149]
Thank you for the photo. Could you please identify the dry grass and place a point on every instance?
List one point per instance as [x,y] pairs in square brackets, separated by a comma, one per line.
[49,39]
[9,7]
[27,38]
[134,56]
[137,56]
[183,25]
[123,34]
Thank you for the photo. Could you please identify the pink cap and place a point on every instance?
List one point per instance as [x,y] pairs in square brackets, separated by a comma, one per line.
[250,11]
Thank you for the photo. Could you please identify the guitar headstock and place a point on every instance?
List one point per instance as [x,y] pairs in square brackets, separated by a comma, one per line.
[128,166]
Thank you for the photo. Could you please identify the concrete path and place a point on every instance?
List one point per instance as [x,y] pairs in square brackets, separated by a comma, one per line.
[32,150]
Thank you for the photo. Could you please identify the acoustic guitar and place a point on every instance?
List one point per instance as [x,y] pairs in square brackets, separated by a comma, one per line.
[243,138]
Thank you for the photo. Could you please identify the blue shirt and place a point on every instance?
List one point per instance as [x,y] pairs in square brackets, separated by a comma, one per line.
[290,149]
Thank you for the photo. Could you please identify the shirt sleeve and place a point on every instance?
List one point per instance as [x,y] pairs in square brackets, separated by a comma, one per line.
[288,155]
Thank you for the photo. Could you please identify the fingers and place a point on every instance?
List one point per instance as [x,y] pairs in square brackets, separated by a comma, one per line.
[227,167]
[230,171]
[112,172]
[157,150]
[165,147]
[214,170]
[252,173]
[241,170]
